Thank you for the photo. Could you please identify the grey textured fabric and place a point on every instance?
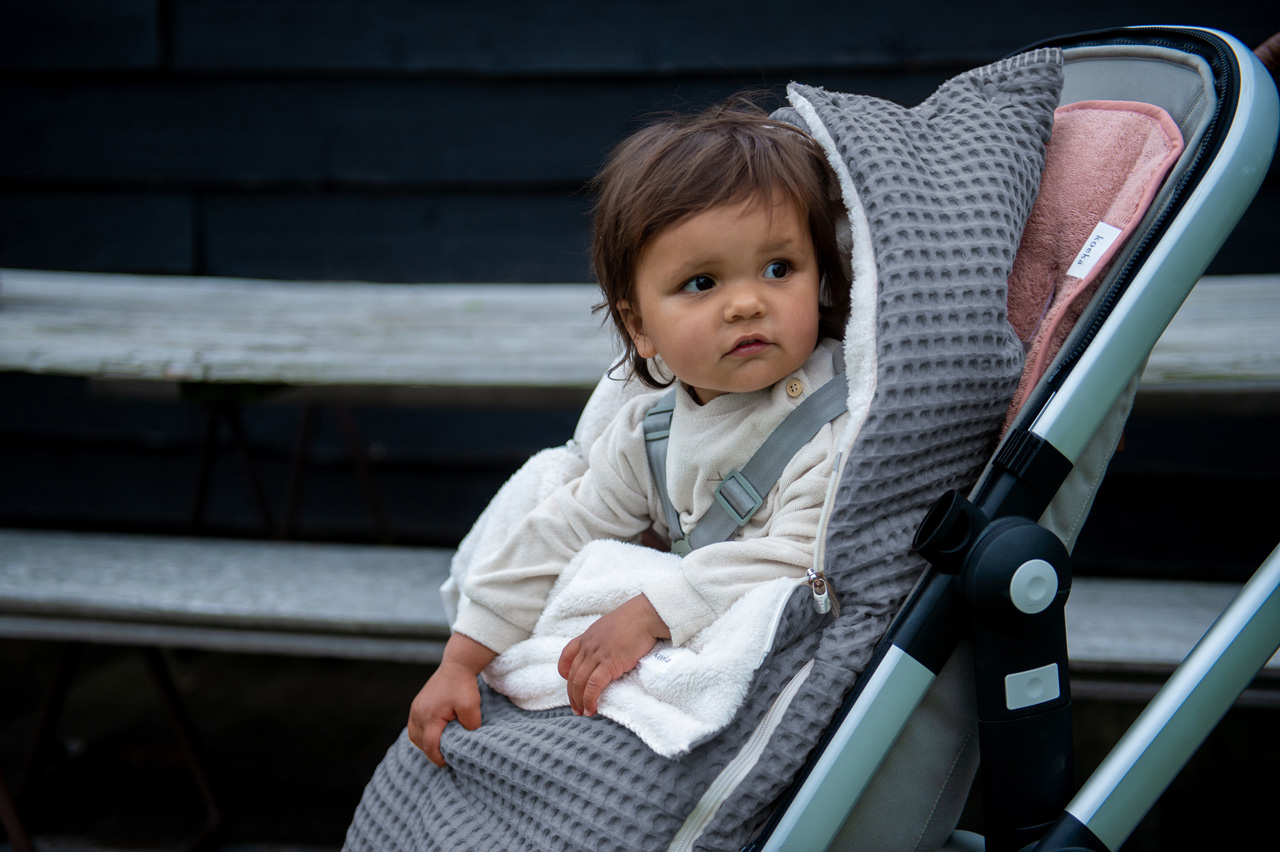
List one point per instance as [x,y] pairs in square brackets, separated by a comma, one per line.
[942,189]
[916,797]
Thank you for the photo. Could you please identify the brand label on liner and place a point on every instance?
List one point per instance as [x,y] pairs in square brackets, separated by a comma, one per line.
[1102,238]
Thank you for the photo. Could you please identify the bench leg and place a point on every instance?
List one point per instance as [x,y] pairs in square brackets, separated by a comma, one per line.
[19,840]
[50,712]
[179,722]
[207,450]
[232,415]
[215,413]
[183,731]
[298,469]
[360,462]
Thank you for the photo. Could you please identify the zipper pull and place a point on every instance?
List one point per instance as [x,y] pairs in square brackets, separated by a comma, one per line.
[823,600]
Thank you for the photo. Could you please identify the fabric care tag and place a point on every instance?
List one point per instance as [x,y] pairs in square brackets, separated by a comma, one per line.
[1095,247]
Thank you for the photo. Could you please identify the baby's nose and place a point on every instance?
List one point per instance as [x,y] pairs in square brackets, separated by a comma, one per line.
[744,301]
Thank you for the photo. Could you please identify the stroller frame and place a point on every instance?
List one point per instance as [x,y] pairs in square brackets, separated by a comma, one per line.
[1000,580]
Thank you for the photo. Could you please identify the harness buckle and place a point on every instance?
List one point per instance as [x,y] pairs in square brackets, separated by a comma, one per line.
[738,497]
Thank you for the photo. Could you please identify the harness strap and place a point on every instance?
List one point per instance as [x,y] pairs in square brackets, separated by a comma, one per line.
[742,492]
[657,428]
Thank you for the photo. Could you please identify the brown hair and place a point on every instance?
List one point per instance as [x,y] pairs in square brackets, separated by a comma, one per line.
[683,165]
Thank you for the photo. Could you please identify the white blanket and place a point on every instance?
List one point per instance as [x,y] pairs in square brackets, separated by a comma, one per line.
[675,697]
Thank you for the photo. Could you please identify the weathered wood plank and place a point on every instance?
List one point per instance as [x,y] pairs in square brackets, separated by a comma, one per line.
[232,639]
[1114,624]
[1226,335]
[363,601]
[237,331]
[230,330]
[301,588]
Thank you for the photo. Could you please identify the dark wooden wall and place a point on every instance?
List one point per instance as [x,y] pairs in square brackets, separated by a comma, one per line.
[449,141]
[396,140]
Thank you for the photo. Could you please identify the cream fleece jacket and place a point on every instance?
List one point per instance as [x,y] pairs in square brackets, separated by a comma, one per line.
[616,499]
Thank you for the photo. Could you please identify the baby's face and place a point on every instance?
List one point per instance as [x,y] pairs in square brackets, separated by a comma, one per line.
[729,297]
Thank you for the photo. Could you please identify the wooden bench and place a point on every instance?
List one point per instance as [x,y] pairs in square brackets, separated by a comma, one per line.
[230,342]
[353,601]
[442,344]
[493,344]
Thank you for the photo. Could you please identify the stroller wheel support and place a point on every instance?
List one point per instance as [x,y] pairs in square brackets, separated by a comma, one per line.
[1012,578]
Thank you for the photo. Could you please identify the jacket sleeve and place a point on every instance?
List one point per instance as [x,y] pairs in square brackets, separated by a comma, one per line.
[508,590]
[780,544]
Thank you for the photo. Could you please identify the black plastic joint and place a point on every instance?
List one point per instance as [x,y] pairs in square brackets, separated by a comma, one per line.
[948,532]
[1028,471]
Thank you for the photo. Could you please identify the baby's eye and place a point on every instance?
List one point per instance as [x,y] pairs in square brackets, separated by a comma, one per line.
[777,269]
[698,284]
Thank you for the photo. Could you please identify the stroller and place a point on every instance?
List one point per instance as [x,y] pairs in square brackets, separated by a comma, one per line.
[892,692]
[1067,429]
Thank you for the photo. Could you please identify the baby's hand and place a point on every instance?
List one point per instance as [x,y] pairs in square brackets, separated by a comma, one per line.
[607,650]
[450,693]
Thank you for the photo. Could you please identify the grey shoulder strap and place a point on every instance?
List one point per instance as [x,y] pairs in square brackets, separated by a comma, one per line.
[657,427]
[742,492]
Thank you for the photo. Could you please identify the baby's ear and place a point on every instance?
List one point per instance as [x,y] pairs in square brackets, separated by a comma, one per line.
[635,330]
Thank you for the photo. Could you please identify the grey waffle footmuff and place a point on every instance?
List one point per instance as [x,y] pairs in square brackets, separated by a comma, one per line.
[936,197]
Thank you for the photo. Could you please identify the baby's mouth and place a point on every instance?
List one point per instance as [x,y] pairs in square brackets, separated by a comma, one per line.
[750,346]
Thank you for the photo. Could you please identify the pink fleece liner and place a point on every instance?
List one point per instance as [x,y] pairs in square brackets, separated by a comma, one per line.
[1104,163]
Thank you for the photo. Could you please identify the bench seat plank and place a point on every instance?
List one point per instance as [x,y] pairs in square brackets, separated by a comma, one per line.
[221,330]
[206,638]
[324,589]
[384,603]
[465,337]
[1223,336]
[1119,624]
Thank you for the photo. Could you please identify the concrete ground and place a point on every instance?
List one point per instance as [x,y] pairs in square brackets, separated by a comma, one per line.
[289,744]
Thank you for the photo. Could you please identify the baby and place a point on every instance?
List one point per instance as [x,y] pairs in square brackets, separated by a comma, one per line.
[715,245]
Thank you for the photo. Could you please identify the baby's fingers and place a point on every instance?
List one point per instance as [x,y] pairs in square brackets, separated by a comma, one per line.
[586,683]
[567,657]
[574,685]
[599,679]
[468,715]
[579,670]
[431,741]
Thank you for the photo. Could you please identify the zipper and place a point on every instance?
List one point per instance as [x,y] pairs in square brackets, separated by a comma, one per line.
[738,768]
[824,600]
